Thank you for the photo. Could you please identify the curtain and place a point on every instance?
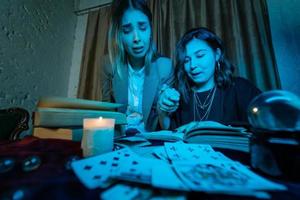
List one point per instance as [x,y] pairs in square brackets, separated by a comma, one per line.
[95,47]
[242,25]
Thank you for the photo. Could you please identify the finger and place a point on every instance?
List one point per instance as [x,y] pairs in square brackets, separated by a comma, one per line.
[168,103]
[175,92]
[168,109]
[172,94]
[174,98]
[165,109]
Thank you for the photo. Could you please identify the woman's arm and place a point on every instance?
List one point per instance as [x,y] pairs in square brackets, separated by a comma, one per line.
[167,96]
[168,102]
[106,80]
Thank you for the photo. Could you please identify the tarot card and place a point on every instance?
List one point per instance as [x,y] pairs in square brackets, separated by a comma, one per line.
[97,171]
[222,177]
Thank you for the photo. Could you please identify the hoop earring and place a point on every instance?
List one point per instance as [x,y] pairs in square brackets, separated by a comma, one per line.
[218,66]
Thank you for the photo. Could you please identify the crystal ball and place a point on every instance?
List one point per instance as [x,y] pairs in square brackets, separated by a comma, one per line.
[275,110]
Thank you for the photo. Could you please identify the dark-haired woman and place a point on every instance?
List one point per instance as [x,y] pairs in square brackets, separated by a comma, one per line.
[206,84]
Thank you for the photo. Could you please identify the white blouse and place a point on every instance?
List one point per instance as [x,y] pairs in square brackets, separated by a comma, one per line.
[135,98]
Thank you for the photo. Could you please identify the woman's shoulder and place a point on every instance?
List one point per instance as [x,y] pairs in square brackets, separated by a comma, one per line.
[240,80]
[163,60]
[163,64]
[242,84]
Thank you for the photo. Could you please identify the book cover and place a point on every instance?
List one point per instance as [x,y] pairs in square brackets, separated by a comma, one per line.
[75,103]
[74,134]
[61,117]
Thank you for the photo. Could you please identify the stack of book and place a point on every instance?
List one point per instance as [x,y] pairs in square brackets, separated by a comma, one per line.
[62,118]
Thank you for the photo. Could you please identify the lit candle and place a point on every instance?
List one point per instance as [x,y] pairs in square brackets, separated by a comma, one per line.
[98,135]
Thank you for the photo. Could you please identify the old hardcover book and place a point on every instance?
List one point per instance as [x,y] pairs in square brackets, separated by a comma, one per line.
[75,103]
[74,134]
[61,117]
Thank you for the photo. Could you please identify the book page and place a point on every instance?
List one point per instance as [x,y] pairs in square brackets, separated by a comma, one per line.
[164,135]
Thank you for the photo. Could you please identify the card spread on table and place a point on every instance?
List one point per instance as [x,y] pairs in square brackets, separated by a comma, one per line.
[193,167]
[97,171]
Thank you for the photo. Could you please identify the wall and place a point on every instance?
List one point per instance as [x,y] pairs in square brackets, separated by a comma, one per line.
[36,43]
[82,7]
[77,55]
[285,29]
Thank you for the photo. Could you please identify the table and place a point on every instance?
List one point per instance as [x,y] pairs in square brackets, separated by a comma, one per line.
[53,181]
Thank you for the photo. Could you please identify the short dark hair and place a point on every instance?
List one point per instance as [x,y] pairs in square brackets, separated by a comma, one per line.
[223,74]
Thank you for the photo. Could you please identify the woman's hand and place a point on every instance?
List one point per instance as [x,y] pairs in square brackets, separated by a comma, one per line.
[168,100]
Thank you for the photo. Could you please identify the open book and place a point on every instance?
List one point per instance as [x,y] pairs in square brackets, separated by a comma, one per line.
[206,132]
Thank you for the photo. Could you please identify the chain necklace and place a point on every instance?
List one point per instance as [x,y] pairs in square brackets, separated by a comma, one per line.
[205,106]
[206,101]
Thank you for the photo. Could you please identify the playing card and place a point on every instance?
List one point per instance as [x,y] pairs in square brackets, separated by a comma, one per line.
[181,151]
[120,191]
[160,153]
[126,192]
[97,171]
[137,169]
[163,176]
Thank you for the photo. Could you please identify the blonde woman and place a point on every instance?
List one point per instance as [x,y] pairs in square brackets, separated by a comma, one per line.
[135,72]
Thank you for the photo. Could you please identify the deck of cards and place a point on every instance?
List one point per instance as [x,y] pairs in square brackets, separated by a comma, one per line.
[179,166]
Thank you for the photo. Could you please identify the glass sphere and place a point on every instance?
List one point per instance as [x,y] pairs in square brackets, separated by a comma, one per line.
[275,110]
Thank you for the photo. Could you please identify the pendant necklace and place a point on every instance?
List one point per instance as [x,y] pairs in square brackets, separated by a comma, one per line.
[205,106]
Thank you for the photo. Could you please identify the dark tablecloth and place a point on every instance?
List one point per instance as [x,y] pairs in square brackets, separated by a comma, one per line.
[53,181]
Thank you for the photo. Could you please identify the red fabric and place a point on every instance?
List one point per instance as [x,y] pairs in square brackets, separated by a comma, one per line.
[51,179]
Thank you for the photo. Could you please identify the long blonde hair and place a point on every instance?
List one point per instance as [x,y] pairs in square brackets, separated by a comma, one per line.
[117,54]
